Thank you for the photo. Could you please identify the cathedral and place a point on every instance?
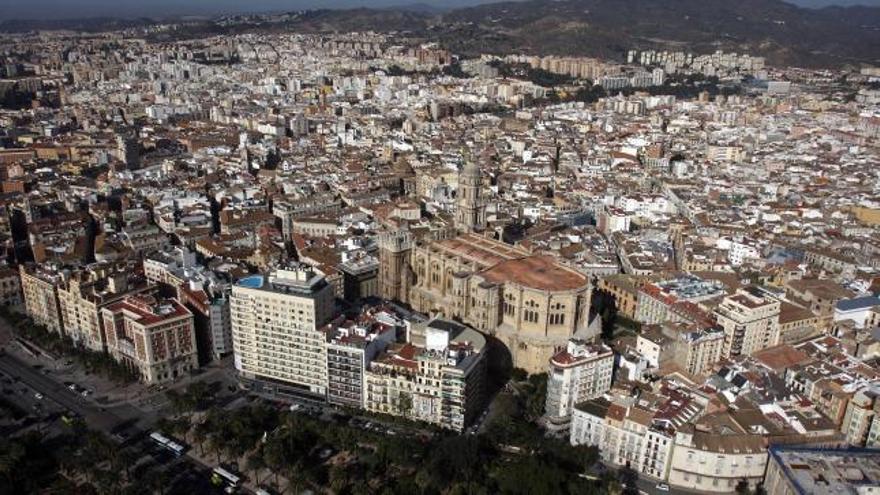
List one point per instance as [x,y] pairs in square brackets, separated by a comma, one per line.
[531,303]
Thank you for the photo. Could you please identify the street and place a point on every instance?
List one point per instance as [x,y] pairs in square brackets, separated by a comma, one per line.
[92,414]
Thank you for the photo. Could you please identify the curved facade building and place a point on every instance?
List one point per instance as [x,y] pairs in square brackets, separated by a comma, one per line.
[532,303]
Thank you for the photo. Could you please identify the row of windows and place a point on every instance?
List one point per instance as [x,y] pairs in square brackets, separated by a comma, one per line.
[530,316]
[557,319]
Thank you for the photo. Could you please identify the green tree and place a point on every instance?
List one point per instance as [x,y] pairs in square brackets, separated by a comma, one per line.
[629,480]
[537,398]
[273,454]
[256,463]
[201,432]
[404,404]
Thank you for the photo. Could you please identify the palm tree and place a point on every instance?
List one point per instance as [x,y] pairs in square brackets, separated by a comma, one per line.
[215,444]
[255,463]
[106,482]
[404,404]
[61,486]
[273,454]
[339,478]
[180,426]
[125,458]
[66,459]
[200,434]
[158,480]
[295,477]
[11,457]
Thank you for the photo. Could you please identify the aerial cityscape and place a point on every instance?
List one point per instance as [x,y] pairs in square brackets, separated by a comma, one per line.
[536,247]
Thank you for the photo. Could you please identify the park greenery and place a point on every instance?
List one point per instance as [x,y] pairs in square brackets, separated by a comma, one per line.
[534,75]
[78,461]
[322,453]
[295,452]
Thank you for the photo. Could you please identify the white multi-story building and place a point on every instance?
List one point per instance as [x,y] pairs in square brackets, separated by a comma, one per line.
[858,310]
[743,250]
[625,436]
[276,319]
[710,463]
[438,376]
[580,372]
[859,417]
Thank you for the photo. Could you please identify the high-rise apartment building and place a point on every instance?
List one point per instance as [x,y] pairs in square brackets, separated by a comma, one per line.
[351,347]
[276,321]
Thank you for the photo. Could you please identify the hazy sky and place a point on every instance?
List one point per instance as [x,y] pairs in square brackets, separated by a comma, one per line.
[57,9]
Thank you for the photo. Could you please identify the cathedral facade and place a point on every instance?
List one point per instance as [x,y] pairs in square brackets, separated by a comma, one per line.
[532,303]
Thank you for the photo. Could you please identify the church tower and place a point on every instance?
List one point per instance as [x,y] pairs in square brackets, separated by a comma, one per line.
[395,274]
[470,208]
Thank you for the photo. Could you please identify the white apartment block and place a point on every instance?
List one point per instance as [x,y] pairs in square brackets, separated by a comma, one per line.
[580,372]
[439,377]
[709,463]
[625,436]
[276,320]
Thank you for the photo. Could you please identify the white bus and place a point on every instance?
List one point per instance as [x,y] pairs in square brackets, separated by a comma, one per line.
[168,444]
[175,448]
[221,475]
[159,438]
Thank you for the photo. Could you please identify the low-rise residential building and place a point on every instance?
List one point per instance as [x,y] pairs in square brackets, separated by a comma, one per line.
[709,462]
[858,310]
[860,413]
[635,429]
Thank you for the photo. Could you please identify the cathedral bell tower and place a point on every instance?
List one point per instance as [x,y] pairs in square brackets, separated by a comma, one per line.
[395,275]
[470,207]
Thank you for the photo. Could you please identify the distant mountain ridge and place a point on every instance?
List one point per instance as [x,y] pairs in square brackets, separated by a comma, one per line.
[784,33]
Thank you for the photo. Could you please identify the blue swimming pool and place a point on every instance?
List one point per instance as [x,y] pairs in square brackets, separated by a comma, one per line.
[253,282]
